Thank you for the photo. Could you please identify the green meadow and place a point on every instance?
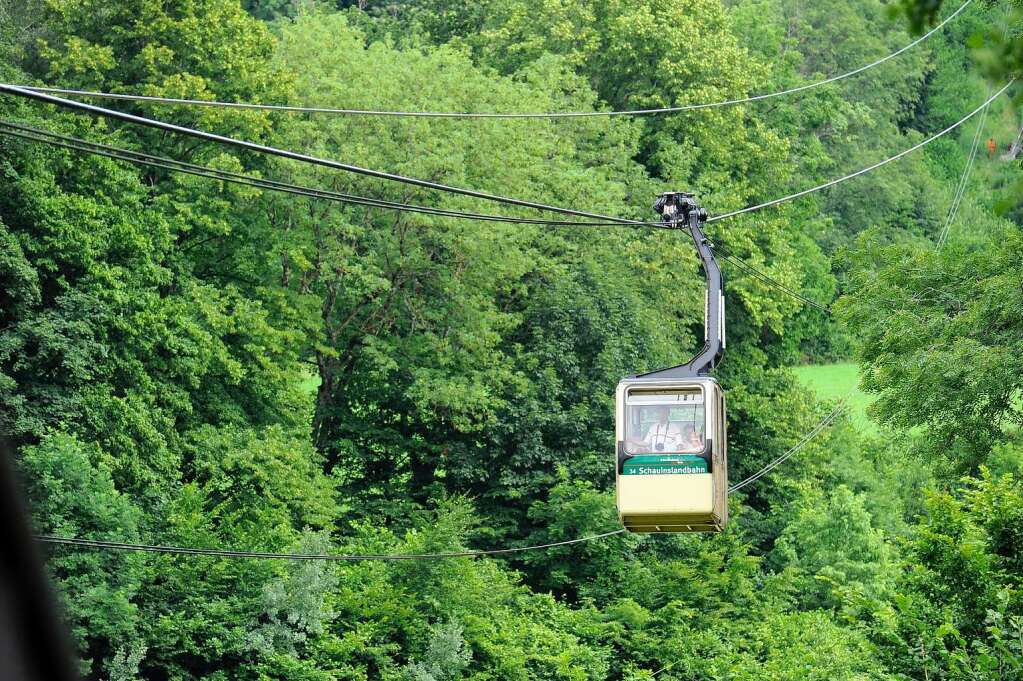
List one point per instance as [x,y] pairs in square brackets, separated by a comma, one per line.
[833,381]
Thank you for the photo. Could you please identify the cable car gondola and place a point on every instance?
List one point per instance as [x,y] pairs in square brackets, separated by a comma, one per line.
[671,464]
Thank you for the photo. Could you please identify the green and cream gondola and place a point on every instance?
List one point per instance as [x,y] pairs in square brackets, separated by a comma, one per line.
[671,459]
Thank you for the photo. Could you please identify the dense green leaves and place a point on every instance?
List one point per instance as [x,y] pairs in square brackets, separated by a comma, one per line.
[193,363]
[940,332]
[72,494]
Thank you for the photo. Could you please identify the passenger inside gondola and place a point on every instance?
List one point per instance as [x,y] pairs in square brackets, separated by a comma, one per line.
[692,441]
[663,435]
[660,428]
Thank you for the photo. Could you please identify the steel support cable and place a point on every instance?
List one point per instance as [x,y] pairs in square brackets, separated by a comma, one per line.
[484,114]
[964,180]
[64,141]
[295,156]
[831,183]
[259,148]
[139,158]
[767,279]
[826,422]
[69,142]
[864,171]
[961,186]
[224,553]
[615,220]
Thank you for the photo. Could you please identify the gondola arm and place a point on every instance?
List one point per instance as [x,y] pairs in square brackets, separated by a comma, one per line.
[681,211]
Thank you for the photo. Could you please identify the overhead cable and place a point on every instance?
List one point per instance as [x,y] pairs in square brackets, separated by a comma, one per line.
[863,171]
[767,279]
[964,180]
[456,114]
[226,553]
[338,165]
[138,158]
[953,210]
[76,144]
[18,91]
[828,420]
[295,156]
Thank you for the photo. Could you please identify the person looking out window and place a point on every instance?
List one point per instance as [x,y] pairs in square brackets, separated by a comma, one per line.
[692,441]
[662,435]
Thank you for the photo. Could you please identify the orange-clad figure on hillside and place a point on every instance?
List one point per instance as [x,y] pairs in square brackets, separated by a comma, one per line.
[991,146]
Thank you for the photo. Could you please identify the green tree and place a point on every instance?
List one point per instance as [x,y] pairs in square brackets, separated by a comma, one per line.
[446,657]
[940,346]
[209,49]
[156,331]
[831,543]
[955,612]
[72,493]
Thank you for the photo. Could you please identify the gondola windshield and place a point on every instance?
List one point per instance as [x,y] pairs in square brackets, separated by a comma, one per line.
[665,422]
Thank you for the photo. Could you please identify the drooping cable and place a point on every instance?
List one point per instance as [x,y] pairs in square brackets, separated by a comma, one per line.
[295,156]
[10,89]
[828,420]
[455,114]
[225,553]
[964,180]
[138,158]
[259,148]
[65,141]
[863,171]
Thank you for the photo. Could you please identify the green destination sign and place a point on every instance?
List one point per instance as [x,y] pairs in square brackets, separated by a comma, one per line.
[665,464]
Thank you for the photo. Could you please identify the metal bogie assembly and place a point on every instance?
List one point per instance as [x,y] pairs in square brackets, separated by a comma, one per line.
[671,464]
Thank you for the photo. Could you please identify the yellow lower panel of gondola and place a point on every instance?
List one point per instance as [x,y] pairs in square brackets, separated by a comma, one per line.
[668,503]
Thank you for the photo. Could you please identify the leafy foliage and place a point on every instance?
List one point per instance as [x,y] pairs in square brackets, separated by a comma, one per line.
[159,335]
[942,344]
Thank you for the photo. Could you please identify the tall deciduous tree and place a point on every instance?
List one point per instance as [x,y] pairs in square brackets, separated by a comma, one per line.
[940,339]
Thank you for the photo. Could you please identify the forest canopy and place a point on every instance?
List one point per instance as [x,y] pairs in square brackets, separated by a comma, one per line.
[191,361]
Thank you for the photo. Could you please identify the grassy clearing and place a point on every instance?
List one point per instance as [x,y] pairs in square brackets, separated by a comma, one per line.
[832,381]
